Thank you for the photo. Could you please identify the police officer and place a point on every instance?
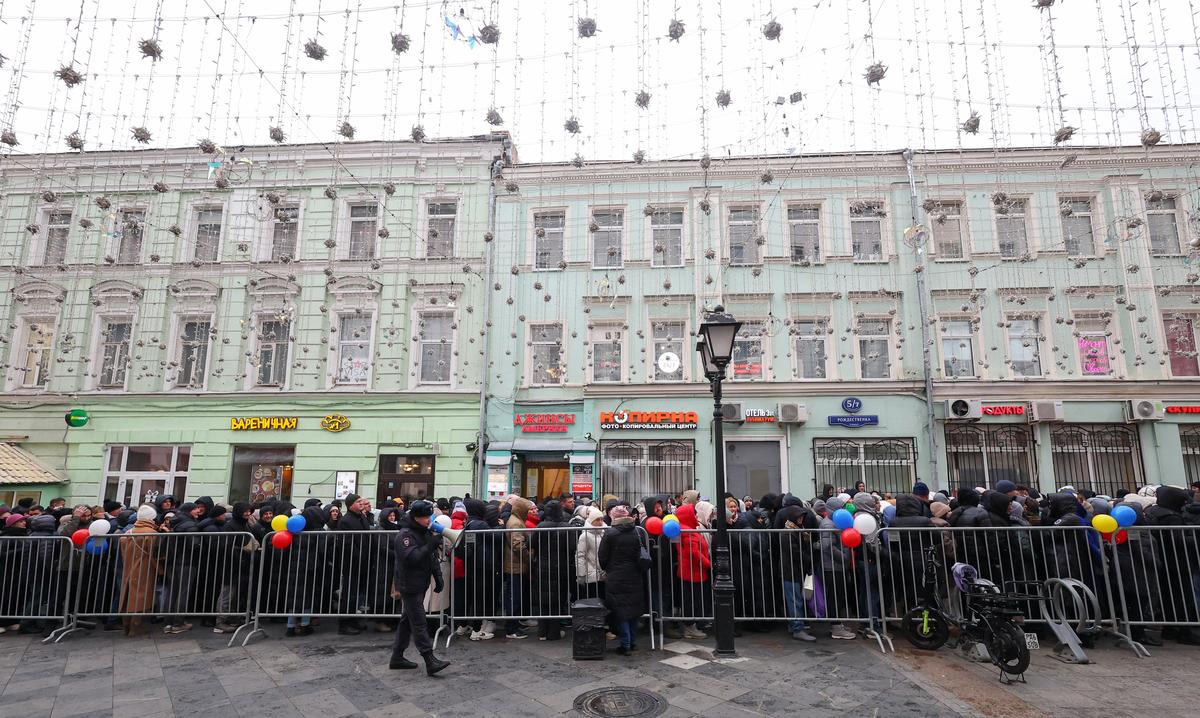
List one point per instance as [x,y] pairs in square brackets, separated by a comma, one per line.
[417,546]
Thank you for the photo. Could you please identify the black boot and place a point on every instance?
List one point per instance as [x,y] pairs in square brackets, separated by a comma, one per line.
[400,662]
[433,664]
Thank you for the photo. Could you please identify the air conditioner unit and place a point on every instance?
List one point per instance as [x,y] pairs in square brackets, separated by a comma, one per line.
[732,412]
[964,409]
[792,413]
[1144,410]
[1045,411]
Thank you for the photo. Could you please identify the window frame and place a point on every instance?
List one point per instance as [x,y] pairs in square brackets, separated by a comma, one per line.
[764,356]
[335,350]
[346,228]
[1177,214]
[621,342]
[623,254]
[253,371]
[100,343]
[1113,364]
[972,344]
[191,245]
[1092,214]
[818,223]
[20,353]
[116,242]
[533,344]
[758,227]
[534,214]
[685,363]
[652,242]
[1010,337]
[267,253]
[419,358]
[428,218]
[960,217]
[179,320]
[1025,214]
[1193,320]
[878,219]
[887,338]
[794,340]
[39,253]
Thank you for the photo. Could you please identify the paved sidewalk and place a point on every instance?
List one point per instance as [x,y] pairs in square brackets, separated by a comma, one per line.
[330,676]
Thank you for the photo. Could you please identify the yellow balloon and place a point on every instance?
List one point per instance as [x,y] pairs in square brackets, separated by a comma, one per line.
[1104,523]
[670,517]
[279,523]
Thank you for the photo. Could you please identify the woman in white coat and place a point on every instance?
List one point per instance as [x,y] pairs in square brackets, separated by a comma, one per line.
[588,573]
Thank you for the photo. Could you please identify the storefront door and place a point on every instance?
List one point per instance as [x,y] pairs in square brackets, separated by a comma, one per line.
[543,480]
[753,468]
[137,489]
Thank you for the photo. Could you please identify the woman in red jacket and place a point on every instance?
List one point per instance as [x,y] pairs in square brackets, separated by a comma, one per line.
[692,566]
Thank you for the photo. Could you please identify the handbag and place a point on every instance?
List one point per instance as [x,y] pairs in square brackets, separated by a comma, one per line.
[251,545]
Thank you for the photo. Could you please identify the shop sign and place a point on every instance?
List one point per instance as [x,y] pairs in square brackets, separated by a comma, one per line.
[612,420]
[544,423]
[1175,409]
[335,423]
[854,421]
[1003,410]
[581,487]
[760,416]
[262,423]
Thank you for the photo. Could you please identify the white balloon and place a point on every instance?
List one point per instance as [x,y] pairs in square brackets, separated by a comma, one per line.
[99,527]
[865,523]
[444,520]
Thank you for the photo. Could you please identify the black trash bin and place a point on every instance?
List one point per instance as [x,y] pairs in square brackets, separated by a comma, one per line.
[589,623]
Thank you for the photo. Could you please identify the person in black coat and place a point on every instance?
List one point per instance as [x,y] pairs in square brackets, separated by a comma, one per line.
[908,549]
[182,557]
[1179,561]
[625,584]
[417,564]
[354,555]
[554,554]
[793,548]
[479,548]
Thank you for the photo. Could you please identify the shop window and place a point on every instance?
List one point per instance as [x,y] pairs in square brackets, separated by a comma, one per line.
[1105,458]
[810,348]
[1181,345]
[632,470]
[549,230]
[981,455]
[354,349]
[1091,337]
[285,231]
[884,465]
[407,477]
[743,236]
[607,341]
[958,348]
[749,352]
[262,473]
[947,230]
[138,474]
[10,498]
[669,354]
[1012,232]
[1024,347]
[1162,224]
[804,232]
[874,355]
[667,235]
[1077,230]
[546,355]
[609,225]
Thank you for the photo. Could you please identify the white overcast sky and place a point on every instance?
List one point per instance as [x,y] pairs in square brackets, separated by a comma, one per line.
[226,78]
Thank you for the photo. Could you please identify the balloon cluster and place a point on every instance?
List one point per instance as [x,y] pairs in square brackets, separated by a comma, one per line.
[666,526]
[284,527]
[854,525]
[1108,524]
[92,538]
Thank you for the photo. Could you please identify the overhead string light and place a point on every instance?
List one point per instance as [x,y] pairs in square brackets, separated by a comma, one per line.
[12,99]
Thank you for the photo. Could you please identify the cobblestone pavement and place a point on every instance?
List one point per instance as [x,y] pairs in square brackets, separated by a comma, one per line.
[330,676]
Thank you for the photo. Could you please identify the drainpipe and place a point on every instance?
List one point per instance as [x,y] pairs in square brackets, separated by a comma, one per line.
[916,237]
[489,254]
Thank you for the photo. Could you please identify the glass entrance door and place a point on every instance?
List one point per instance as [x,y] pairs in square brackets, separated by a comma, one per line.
[133,490]
[546,480]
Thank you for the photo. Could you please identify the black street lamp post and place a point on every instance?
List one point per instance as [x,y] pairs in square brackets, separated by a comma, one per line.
[716,350]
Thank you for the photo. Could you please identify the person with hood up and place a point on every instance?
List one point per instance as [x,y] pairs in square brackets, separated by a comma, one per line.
[662,568]
[333,514]
[795,553]
[625,586]
[307,560]
[142,564]
[554,554]
[908,548]
[417,565]
[587,555]
[705,513]
[480,548]
[1137,562]
[837,580]
[182,551]
[692,566]
[1178,562]
[516,567]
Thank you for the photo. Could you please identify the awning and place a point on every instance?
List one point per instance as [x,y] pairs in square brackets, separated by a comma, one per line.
[18,466]
[498,458]
[588,458]
[522,443]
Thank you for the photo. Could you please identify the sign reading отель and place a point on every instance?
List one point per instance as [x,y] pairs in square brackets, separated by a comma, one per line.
[263,423]
[544,423]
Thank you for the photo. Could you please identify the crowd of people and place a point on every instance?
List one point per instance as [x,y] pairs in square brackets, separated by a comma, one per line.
[513,562]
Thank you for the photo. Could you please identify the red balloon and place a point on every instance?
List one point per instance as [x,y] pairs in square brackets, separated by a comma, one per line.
[851,538]
[281,540]
[654,526]
[79,537]
[1122,536]
[1106,536]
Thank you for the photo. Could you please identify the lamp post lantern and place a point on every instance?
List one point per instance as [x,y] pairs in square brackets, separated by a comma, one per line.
[717,333]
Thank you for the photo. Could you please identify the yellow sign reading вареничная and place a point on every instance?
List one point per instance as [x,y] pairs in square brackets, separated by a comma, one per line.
[262,423]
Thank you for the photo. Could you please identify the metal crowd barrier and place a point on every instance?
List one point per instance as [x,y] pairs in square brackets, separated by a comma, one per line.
[35,582]
[513,579]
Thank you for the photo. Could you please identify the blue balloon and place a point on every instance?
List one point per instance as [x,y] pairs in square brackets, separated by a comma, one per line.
[671,529]
[96,546]
[843,519]
[296,523]
[1124,515]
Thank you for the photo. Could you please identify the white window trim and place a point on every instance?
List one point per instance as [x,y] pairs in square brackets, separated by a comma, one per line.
[648,235]
[1116,366]
[761,231]
[16,375]
[597,328]
[964,230]
[977,372]
[1181,222]
[1099,223]
[531,256]
[112,243]
[891,332]
[562,356]
[1031,226]
[186,251]
[256,318]
[1175,315]
[885,235]
[686,350]
[415,353]
[827,320]
[96,348]
[624,210]
[764,341]
[334,353]
[342,227]
[1043,337]
[422,235]
[824,227]
[267,237]
[175,350]
[40,243]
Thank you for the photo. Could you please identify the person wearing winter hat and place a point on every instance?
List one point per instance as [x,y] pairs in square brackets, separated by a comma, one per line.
[920,490]
[625,586]
[1004,486]
[417,547]
[112,508]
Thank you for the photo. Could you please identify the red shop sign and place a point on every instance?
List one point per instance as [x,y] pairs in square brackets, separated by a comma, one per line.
[1174,409]
[543,423]
[1003,410]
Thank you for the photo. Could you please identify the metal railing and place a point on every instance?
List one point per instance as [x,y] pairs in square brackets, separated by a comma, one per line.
[35,581]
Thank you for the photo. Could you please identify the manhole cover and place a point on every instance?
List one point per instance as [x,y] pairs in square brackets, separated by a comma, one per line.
[620,703]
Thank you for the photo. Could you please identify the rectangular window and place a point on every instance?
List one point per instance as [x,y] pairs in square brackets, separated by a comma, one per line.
[947,230]
[58,229]
[262,473]
[1077,230]
[284,233]
[548,239]
[114,352]
[666,226]
[866,231]
[354,349]
[1011,231]
[669,350]
[804,232]
[810,348]
[129,236]
[606,353]
[193,351]
[1092,341]
[633,469]
[874,357]
[1181,345]
[1163,224]
[1025,347]
[883,465]
[1105,458]
[38,350]
[441,229]
[364,224]
[743,236]
[982,454]
[958,348]
[273,351]
[436,332]
[208,233]
[546,355]
[607,239]
[749,353]
[141,474]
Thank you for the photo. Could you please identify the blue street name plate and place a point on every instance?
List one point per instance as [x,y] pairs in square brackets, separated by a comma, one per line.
[854,421]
